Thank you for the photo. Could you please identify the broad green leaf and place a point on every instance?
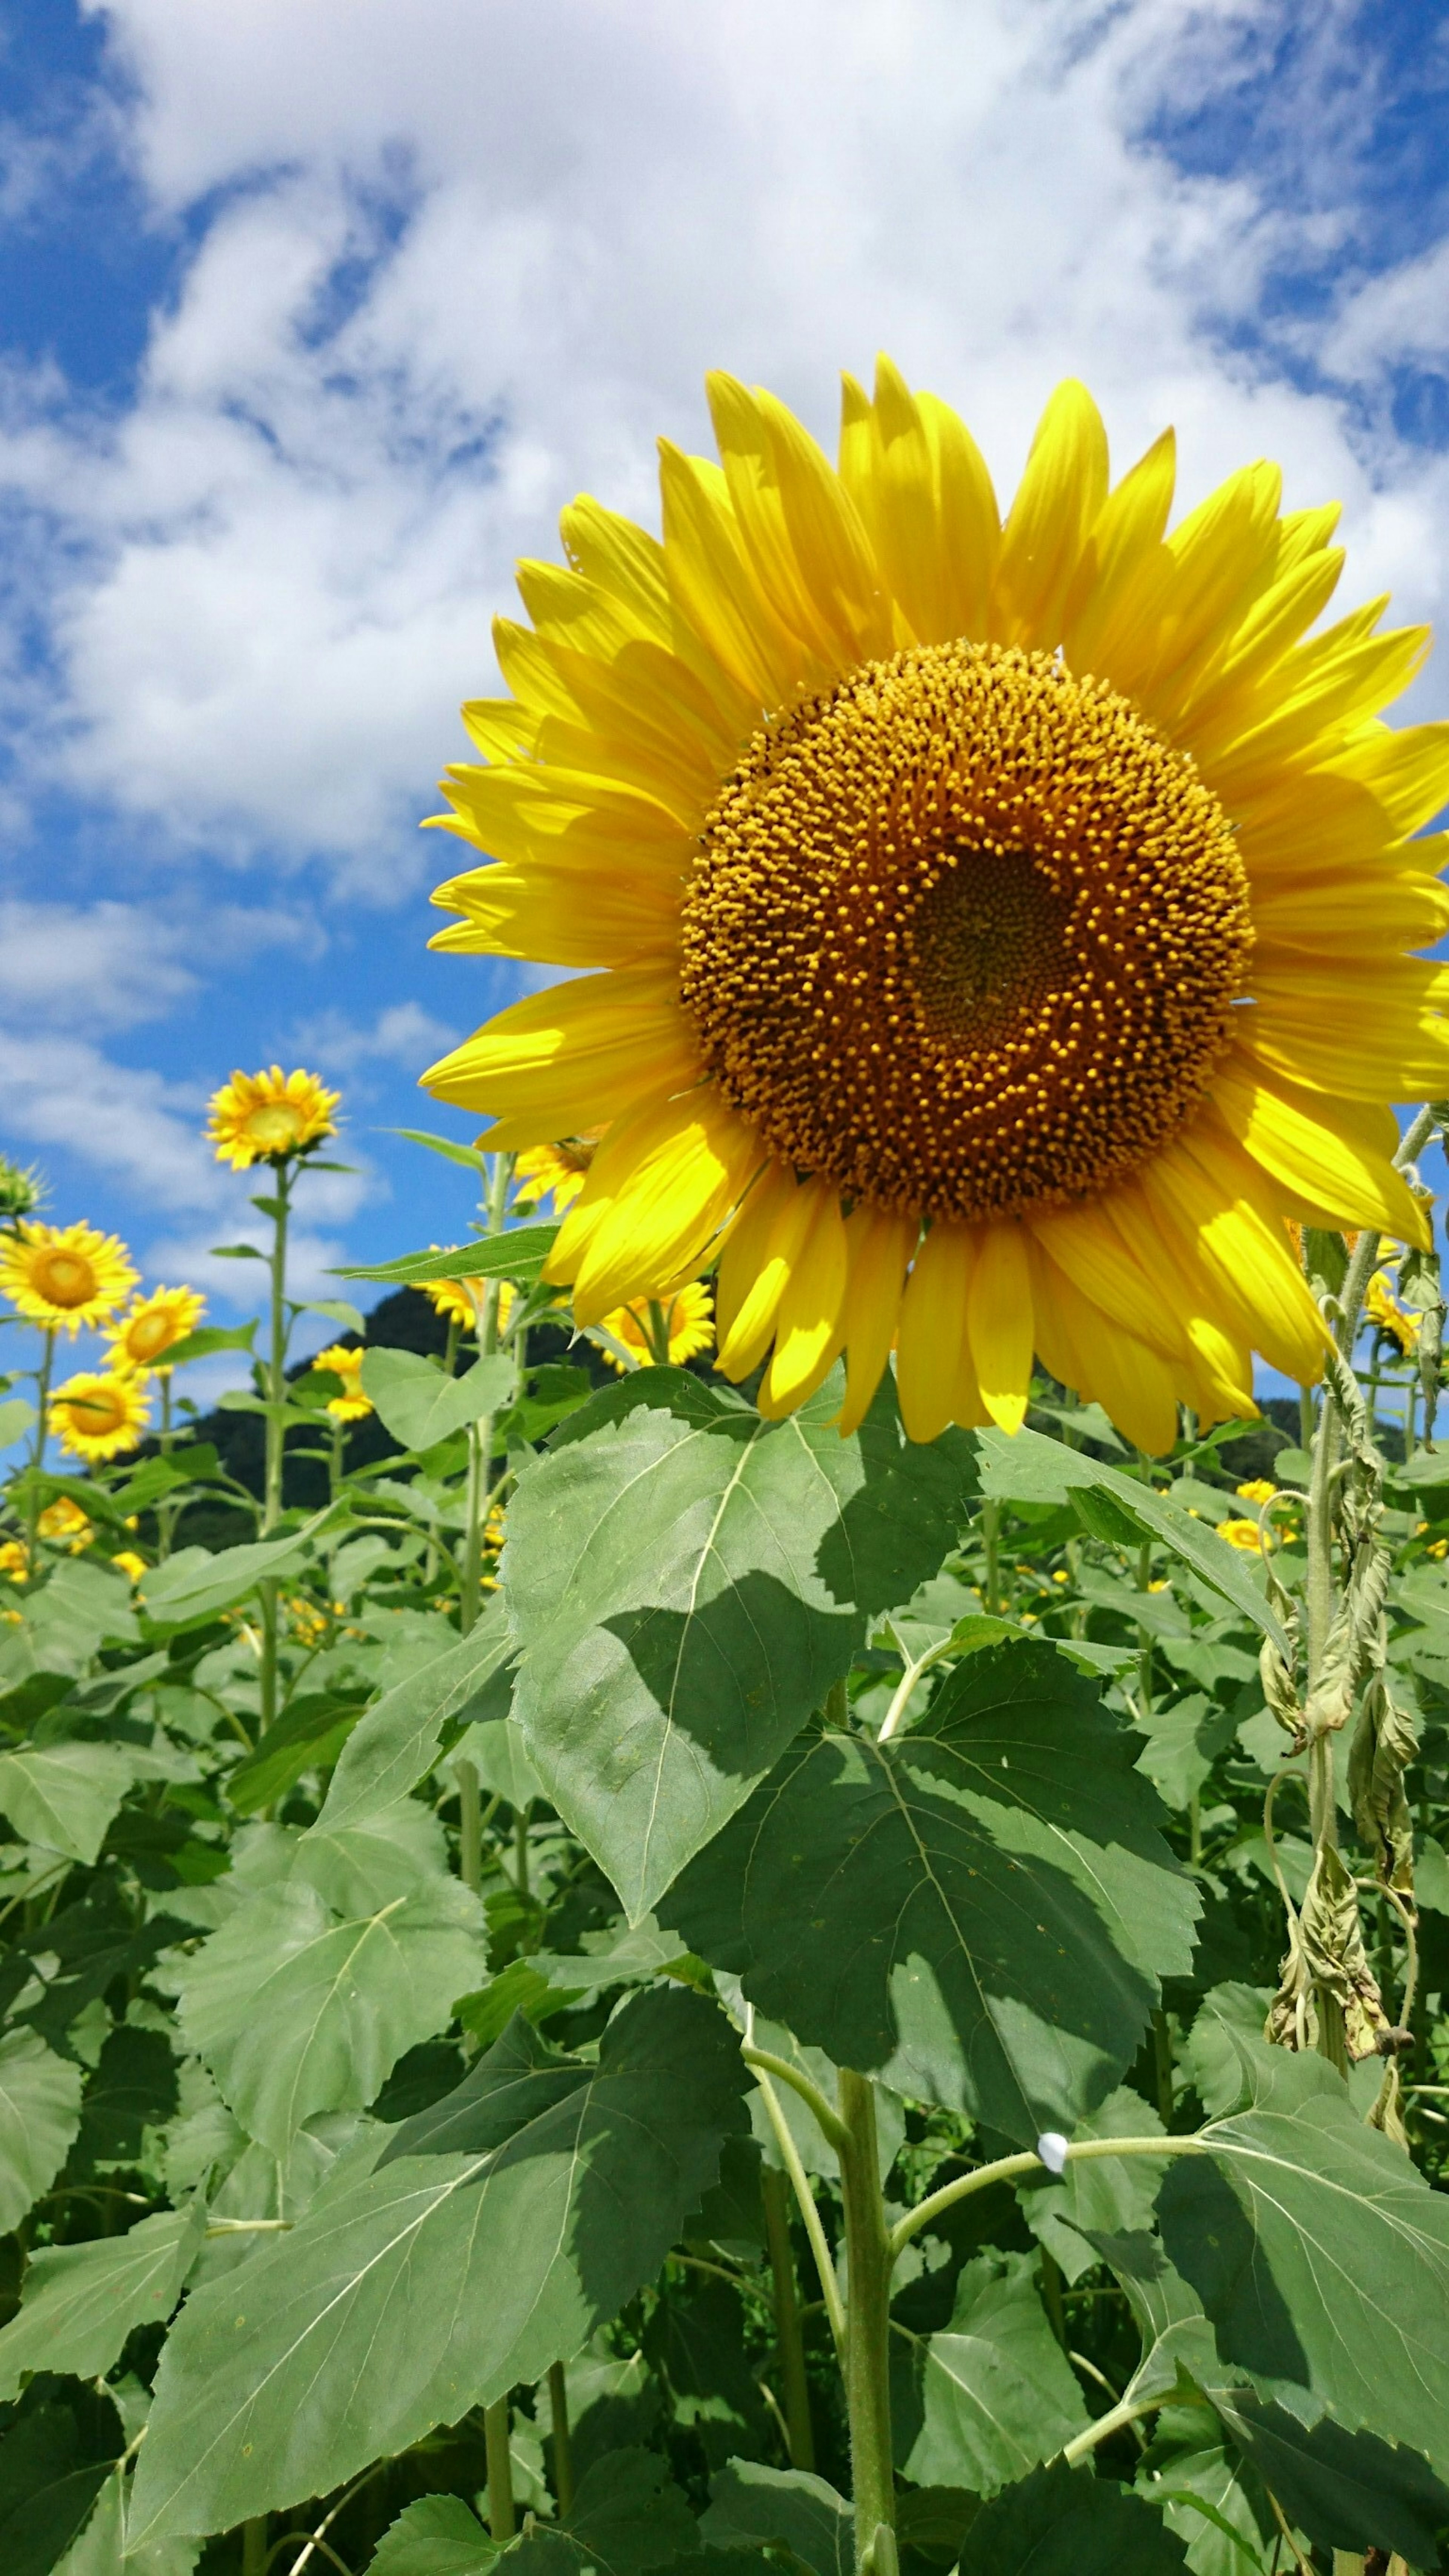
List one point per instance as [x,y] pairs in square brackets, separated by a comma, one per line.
[102,2548]
[420,1406]
[1066,2522]
[519,1255]
[192,1586]
[81,2301]
[296,2012]
[1176,2336]
[979,1909]
[628,2515]
[1346,2490]
[64,1795]
[1221,2069]
[499,1756]
[695,2343]
[438,2281]
[687,1581]
[1183,1742]
[1320,2255]
[995,2393]
[133,2087]
[208,1339]
[79,1607]
[396,1743]
[438,2536]
[309,1737]
[361,1868]
[55,2455]
[1028,1468]
[1207,2494]
[16,1418]
[40,2108]
[1100,2197]
[750,2503]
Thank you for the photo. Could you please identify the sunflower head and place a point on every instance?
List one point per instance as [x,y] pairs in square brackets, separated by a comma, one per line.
[683,1323]
[453,1300]
[270,1117]
[130,1563]
[64,1276]
[351,1405]
[1394,1321]
[999,922]
[99,1415]
[65,1524]
[555,1172]
[152,1325]
[14,1563]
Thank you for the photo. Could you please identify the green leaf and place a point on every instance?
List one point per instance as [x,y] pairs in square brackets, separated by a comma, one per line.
[1099,2197]
[750,2503]
[1183,1742]
[55,2455]
[337,1310]
[695,2343]
[308,1738]
[437,2536]
[1065,2522]
[1027,1468]
[995,2393]
[395,1744]
[627,2516]
[467,1155]
[518,1255]
[1207,2493]
[209,1338]
[978,1909]
[296,2012]
[40,2106]
[133,2088]
[64,1795]
[235,1252]
[1346,2490]
[81,2301]
[419,1405]
[496,1749]
[437,2282]
[192,1586]
[102,2549]
[16,1418]
[687,1581]
[1221,2070]
[1320,2255]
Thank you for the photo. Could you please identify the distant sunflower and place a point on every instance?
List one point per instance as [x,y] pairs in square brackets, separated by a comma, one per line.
[130,1563]
[453,1300]
[63,1276]
[1001,929]
[1382,1309]
[266,1117]
[152,1325]
[557,1171]
[66,1525]
[687,1319]
[99,1415]
[351,1405]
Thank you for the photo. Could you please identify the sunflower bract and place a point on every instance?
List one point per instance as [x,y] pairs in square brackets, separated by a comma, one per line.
[998,926]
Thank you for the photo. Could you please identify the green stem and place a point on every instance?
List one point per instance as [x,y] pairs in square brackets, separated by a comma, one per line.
[1318,1593]
[1128,2411]
[789,2155]
[275,1437]
[765,2062]
[1144,1636]
[799,2430]
[480,1436]
[657,1329]
[254,2546]
[1027,2161]
[37,1454]
[563,2456]
[867,2333]
[470,1825]
[1051,2295]
[520,1849]
[500,2472]
[991,1539]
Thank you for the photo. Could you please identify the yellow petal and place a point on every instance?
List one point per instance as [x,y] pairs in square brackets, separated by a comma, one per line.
[1205,1196]
[685,1169]
[1406,771]
[1083,1242]
[1334,684]
[579,1053]
[1245,681]
[832,547]
[878,1247]
[710,580]
[622,561]
[933,1330]
[501,728]
[969,520]
[744,1247]
[1057,502]
[1291,1135]
[1085,1350]
[907,527]
[1351,909]
[807,1322]
[748,454]
[790,1207]
[554,918]
[999,1323]
[1107,593]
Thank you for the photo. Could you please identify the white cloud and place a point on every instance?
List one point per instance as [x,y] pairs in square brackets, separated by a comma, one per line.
[403,1034]
[474,259]
[108,966]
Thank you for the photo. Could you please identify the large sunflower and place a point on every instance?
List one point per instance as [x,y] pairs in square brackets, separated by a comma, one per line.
[63,1276]
[1002,929]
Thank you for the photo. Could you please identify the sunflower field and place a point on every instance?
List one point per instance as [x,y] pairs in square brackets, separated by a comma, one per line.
[759,1879]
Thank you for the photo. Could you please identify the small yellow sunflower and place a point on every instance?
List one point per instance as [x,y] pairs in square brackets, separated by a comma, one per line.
[689,1319]
[99,1415]
[1260,1489]
[451,1298]
[1382,1308]
[557,1171]
[65,1524]
[130,1563]
[14,1563]
[151,1325]
[998,926]
[269,1116]
[351,1405]
[65,1276]
[1243,1534]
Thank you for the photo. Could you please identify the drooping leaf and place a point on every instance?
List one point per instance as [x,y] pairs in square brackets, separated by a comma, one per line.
[1346,2490]
[687,1581]
[395,1744]
[81,2301]
[978,1909]
[498,1754]
[64,1795]
[1108,2195]
[1029,1468]
[439,2280]
[191,1587]
[40,2105]
[1065,2522]
[438,2536]
[995,2392]
[295,2011]
[1320,2255]
[750,2503]
[1221,2070]
[420,1406]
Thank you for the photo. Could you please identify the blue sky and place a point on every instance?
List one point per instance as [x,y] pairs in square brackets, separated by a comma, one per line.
[311,319]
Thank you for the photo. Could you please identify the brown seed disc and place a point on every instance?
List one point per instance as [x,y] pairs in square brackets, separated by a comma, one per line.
[965,934]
